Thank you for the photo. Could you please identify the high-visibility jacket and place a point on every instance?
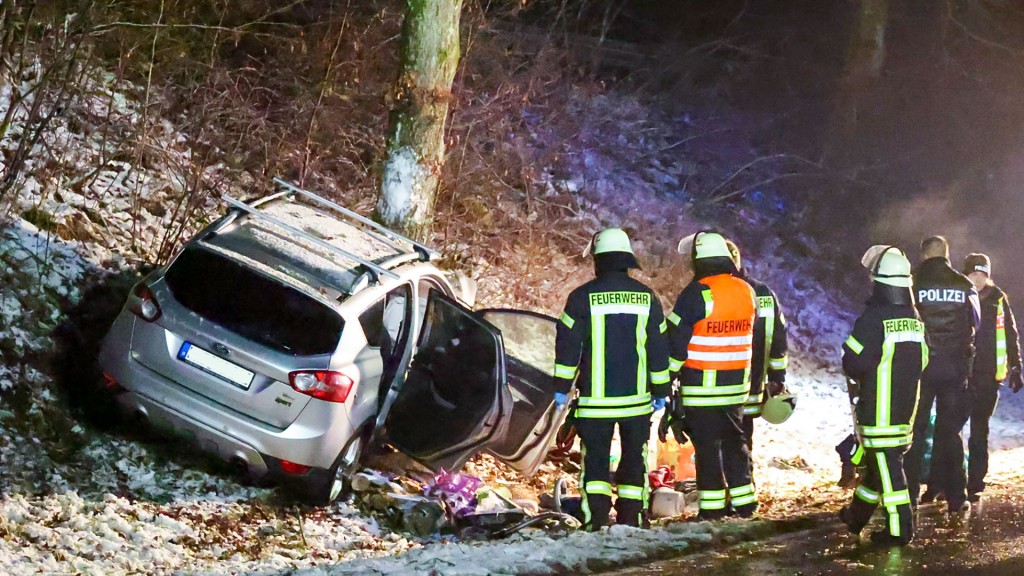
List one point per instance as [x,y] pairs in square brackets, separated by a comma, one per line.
[997,344]
[770,350]
[711,335]
[886,354]
[611,337]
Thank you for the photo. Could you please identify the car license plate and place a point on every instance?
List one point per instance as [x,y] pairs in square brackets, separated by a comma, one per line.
[207,362]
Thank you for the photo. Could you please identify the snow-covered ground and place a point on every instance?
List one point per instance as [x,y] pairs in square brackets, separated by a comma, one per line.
[77,500]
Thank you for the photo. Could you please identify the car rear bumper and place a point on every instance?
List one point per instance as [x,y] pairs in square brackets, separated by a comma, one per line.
[314,439]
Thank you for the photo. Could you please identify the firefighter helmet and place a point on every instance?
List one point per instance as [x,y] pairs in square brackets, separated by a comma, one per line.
[888,265]
[609,240]
[779,408]
[704,245]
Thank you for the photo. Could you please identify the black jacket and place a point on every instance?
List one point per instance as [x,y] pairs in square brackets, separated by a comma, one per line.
[886,354]
[985,342]
[770,359]
[948,304]
[598,340]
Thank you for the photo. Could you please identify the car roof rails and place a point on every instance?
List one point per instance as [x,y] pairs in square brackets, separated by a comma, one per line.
[378,231]
[375,269]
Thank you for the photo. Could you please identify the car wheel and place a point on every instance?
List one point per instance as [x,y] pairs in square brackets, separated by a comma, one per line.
[325,490]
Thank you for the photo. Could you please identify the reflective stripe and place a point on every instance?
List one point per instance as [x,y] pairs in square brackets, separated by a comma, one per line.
[858,455]
[752,407]
[719,356]
[716,390]
[614,412]
[1002,368]
[854,345]
[897,498]
[881,443]
[712,499]
[631,492]
[905,336]
[641,352]
[674,318]
[630,309]
[597,357]
[714,400]
[868,495]
[663,327]
[779,363]
[899,429]
[741,490]
[567,320]
[766,309]
[567,372]
[584,502]
[660,377]
[887,493]
[675,365]
[709,302]
[883,384]
[599,487]
[722,340]
[614,401]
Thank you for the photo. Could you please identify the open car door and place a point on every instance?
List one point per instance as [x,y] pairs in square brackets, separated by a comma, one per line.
[534,420]
[454,399]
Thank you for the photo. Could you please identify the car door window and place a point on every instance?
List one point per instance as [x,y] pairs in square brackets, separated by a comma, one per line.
[453,396]
[384,321]
[423,290]
[529,341]
[372,321]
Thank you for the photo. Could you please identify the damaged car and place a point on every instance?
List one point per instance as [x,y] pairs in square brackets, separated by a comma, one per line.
[291,332]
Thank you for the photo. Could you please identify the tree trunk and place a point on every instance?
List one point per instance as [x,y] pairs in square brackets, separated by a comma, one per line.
[415,147]
[865,59]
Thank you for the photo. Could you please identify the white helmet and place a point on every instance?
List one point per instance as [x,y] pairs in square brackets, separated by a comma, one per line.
[779,408]
[888,265]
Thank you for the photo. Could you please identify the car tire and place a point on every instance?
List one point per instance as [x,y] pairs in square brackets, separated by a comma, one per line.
[325,489]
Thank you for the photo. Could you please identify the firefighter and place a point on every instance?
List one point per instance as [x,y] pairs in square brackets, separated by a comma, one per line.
[711,332]
[611,340]
[885,354]
[997,359]
[948,304]
[769,361]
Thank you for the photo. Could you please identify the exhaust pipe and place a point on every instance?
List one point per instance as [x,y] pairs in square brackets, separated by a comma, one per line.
[239,466]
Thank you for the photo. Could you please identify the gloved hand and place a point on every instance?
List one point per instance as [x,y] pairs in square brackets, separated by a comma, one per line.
[561,400]
[658,403]
[774,388]
[1016,381]
[673,420]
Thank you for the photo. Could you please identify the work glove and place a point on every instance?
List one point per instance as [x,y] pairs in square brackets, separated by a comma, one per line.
[673,420]
[561,400]
[658,403]
[774,388]
[1015,382]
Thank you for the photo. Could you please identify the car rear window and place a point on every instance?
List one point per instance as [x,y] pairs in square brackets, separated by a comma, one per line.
[252,305]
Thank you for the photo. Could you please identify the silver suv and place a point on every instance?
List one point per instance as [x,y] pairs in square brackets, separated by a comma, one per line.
[292,332]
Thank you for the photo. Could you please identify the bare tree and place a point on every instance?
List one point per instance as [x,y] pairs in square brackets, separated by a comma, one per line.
[416,147]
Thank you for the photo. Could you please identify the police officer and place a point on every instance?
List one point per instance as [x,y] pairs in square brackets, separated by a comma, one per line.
[948,304]
[711,332]
[611,340]
[997,358]
[885,354]
[769,361]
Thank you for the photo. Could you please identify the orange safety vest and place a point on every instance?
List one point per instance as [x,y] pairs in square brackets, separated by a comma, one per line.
[724,339]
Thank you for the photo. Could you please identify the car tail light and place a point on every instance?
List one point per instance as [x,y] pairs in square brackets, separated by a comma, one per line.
[293,468]
[110,384]
[322,384]
[143,303]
